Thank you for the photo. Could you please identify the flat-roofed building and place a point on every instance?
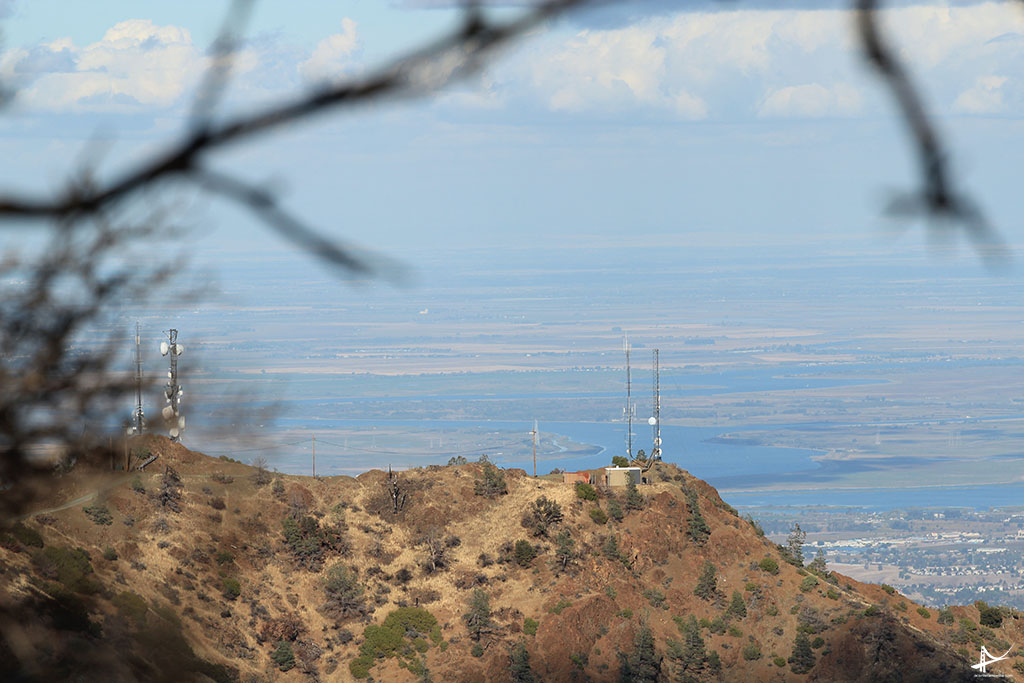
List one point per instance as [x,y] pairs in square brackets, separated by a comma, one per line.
[620,476]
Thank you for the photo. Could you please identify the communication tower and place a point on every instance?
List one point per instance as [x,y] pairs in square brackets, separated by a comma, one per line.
[138,423]
[172,391]
[655,420]
[629,412]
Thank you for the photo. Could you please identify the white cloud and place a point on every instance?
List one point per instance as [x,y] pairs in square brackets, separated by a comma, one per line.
[984,97]
[330,58]
[811,100]
[136,63]
[792,63]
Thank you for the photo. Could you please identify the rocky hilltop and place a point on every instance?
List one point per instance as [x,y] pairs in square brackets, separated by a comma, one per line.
[208,569]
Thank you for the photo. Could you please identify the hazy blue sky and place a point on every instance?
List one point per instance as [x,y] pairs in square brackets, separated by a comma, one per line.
[640,124]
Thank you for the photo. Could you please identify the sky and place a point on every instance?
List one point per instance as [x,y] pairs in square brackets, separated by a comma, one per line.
[637,124]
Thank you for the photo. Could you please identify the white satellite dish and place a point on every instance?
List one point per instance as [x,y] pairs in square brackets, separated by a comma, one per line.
[163,348]
[657,442]
[167,412]
[174,432]
[181,422]
[178,349]
[652,420]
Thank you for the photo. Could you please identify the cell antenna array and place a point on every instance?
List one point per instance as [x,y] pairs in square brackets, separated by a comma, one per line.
[172,391]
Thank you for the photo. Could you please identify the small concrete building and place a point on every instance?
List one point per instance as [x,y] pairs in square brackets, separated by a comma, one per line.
[576,477]
[620,476]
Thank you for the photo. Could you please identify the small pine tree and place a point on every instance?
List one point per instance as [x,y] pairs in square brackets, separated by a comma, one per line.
[698,530]
[634,500]
[478,617]
[737,607]
[693,646]
[643,665]
[519,664]
[615,510]
[492,483]
[802,659]
[620,461]
[819,565]
[795,544]
[565,552]
[707,584]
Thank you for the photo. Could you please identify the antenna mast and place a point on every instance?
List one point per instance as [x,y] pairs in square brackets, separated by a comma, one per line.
[630,409]
[138,418]
[656,418]
[172,391]
[534,435]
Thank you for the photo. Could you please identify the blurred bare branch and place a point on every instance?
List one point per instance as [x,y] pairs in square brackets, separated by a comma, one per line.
[936,199]
[418,74]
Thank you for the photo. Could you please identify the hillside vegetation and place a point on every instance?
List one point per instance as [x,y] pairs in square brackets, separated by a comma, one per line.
[207,569]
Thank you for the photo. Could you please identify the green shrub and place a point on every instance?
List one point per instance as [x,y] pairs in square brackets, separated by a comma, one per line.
[224,557]
[615,510]
[598,516]
[70,567]
[137,484]
[751,652]
[779,661]
[585,491]
[945,616]
[888,589]
[524,553]
[770,565]
[131,605]
[560,605]
[832,594]
[808,584]
[871,611]
[989,615]
[626,613]
[619,461]
[99,514]
[231,589]
[530,626]
[477,650]
[735,632]
[109,554]
[283,656]
[817,643]
[27,536]
[655,597]
[924,612]
[360,666]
